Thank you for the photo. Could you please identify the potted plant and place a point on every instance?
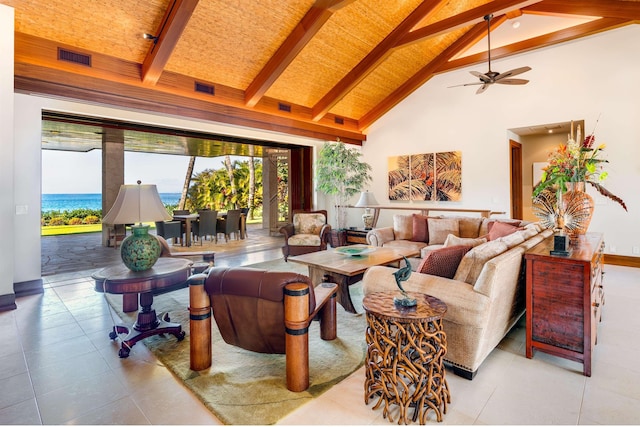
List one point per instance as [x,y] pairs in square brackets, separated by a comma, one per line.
[341,174]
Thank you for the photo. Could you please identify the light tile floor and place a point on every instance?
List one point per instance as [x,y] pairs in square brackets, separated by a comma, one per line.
[57,366]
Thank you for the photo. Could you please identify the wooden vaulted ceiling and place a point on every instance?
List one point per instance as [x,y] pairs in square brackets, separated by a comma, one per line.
[321,68]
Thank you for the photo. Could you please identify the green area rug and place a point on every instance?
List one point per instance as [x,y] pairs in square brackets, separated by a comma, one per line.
[243,387]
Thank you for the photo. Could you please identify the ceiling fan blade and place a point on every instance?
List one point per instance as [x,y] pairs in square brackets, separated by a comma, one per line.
[467,84]
[512,73]
[482,88]
[512,81]
[483,77]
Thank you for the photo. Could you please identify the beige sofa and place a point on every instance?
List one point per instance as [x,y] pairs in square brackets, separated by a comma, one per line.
[485,298]
[406,234]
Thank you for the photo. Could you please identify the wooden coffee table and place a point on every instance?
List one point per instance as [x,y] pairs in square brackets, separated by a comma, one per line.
[344,270]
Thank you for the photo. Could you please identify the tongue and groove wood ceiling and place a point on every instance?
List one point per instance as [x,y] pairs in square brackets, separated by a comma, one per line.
[321,68]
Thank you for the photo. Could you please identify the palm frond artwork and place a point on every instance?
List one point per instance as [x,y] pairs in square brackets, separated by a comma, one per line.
[399,180]
[448,177]
[426,177]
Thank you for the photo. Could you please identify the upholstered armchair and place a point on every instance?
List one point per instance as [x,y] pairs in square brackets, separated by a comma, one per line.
[260,311]
[308,232]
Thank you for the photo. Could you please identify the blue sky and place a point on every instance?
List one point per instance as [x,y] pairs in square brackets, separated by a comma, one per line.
[73,172]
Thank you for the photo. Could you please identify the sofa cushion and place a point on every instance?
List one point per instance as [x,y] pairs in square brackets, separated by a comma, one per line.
[403,226]
[440,228]
[308,223]
[513,239]
[469,226]
[304,240]
[500,229]
[443,262]
[453,240]
[420,230]
[473,262]
[488,223]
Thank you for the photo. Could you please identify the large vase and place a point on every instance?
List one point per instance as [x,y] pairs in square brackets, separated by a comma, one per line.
[577,210]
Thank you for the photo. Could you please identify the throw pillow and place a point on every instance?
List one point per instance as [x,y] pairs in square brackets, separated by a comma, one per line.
[420,230]
[440,228]
[402,226]
[443,262]
[501,229]
[453,240]
[469,226]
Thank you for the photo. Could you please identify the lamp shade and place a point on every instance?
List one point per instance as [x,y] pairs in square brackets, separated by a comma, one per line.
[366,199]
[135,204]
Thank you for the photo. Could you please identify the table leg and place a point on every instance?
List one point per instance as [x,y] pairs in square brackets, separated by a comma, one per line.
[187,232]
[147,324]
[319,275]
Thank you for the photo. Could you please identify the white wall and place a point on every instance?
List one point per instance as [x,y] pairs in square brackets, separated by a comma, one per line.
[6,149]
[584,79]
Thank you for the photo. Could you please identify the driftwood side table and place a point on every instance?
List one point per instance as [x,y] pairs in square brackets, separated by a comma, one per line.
[404,362]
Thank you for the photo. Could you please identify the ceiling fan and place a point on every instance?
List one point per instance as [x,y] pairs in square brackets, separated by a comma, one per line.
[491,77]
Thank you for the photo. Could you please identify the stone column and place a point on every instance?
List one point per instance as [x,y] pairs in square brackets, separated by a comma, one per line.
[112,172]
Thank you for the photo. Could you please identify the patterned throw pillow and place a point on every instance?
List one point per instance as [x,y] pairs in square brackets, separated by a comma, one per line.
[443,262]
[308,223]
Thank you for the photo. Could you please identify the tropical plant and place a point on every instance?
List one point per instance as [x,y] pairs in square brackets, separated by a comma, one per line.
[573,162]
[341,174]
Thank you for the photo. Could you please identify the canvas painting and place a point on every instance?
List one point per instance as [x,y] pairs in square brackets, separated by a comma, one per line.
[399,182]
[426,177]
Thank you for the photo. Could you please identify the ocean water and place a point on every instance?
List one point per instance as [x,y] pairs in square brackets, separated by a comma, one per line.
[69,202]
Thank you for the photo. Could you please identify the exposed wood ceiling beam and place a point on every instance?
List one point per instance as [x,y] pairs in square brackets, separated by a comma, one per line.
[173,24]
[604,8]
[306,29]
[468,39]
[374,58]
[539,42]
[464,19]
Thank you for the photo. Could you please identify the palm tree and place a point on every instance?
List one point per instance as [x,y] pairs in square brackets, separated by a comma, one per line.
[187,182]
[229,167]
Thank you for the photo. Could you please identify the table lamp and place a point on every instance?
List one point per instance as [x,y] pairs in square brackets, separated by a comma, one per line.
[366,201]
[134,204]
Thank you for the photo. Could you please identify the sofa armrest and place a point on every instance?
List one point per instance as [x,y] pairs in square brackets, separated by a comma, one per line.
[324,233]
[379,236]
[287,230]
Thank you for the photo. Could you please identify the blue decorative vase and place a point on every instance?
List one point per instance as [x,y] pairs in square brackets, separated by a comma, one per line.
[141,250]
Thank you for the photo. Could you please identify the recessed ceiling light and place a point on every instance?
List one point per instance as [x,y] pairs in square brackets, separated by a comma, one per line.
[516,24]
[550,131]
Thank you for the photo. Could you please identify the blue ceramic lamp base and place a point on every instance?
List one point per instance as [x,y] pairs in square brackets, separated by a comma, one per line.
[140,250]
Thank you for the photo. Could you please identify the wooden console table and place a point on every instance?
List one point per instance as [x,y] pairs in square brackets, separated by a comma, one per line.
[120,280]
[404,362]
[565,295]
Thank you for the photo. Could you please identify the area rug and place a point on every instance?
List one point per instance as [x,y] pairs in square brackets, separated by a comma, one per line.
[243,387]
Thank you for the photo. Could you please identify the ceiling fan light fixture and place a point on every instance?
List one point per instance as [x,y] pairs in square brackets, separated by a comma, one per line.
[491,77]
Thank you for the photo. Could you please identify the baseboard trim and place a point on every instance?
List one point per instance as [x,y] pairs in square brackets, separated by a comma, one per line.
[30,287]
[8,302]
[621,260]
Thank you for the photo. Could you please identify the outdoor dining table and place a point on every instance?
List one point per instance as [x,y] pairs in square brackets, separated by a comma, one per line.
[187,225]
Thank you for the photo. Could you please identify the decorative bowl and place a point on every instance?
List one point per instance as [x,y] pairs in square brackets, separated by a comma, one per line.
[355,250]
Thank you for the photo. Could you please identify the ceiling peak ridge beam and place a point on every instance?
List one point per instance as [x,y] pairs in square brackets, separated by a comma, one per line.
[539,42]
[600,8]
[374,58]
[464,19]
[477,32]
[301,35]
[173,24]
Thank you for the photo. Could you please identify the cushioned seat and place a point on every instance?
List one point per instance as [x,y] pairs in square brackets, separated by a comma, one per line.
[307,233]
[260,311]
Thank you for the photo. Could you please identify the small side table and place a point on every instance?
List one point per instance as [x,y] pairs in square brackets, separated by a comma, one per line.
[120,280]
[404,362]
